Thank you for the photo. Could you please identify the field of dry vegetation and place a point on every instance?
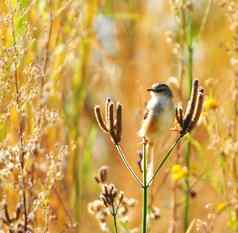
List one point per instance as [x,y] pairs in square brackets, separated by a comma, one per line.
[65,167]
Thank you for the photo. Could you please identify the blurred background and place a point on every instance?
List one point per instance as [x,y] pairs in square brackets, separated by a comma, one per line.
[60,58]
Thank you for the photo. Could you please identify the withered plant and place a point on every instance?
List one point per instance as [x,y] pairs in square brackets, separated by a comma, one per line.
[111,124]
[111,202]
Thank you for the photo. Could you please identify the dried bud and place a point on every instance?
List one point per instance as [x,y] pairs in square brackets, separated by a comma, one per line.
[99,118]
[102,175]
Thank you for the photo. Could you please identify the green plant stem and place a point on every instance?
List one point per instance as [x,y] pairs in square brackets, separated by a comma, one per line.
[187,187]
[189,42]
[165,158]
[205,17]
[145,190]
[114,214]
[127,165]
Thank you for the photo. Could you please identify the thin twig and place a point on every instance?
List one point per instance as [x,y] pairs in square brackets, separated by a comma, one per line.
[127,165]
[165,158]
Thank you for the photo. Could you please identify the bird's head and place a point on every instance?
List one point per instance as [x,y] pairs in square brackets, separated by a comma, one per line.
[160,89]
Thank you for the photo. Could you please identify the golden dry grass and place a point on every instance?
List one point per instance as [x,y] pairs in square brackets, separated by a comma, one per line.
[60,58]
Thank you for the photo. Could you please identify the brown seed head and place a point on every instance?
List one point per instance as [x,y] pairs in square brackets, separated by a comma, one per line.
[111,126]
[193,111]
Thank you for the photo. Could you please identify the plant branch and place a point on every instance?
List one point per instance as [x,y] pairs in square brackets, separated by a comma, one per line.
[127,165]
[165,158]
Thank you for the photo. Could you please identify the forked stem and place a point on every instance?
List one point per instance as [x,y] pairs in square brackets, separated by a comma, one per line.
[165,158]
[127,165]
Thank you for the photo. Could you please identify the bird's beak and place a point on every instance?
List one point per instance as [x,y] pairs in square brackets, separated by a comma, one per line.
[150,89]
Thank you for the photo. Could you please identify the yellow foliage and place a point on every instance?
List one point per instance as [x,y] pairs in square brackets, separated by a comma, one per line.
[178,172]
[210,104]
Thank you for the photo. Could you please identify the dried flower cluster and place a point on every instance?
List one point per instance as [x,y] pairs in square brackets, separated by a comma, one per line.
[111,125]
[111,202]
[189,119]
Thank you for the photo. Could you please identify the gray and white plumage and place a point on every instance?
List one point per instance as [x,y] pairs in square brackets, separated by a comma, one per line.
[160,112]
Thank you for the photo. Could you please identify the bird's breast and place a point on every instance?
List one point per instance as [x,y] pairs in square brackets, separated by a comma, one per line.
[161,120]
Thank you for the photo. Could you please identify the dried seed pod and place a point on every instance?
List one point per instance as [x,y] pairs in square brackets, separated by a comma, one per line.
[111,126]
[107,112]
[191,104]
[119,121]
[193,111]
[102,175]
[103,172]
[198,110]
[111,118]
[179,115]
[100,119]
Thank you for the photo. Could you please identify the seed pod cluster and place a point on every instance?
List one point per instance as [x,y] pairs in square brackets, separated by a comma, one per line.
[111,201]
[109,194]
[112,124]
[189,119]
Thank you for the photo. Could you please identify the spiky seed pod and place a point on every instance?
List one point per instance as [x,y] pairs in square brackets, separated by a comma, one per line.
[111,118]
[121,197]
[193,111]
[107,103]
[198,110]
[111,126]
[191,104]
[102,175]
[118,121]
[179,115]
[103,172]
[99,119]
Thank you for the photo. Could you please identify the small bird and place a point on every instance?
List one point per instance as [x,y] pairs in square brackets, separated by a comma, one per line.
[159,114]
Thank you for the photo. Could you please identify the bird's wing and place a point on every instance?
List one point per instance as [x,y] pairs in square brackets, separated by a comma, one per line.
[146,113]
[147,123]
